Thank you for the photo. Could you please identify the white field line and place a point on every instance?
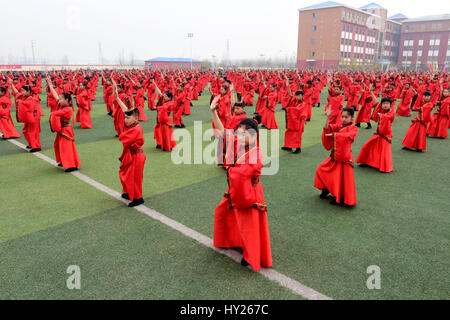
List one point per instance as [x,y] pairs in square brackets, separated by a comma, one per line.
[269,273]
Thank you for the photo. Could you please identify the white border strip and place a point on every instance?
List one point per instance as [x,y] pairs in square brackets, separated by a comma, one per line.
[269,273]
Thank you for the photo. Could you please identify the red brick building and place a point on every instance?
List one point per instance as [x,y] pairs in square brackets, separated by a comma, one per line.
[333,35]
[425,41]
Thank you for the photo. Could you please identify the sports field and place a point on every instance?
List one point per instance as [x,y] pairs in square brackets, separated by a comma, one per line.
[50,220]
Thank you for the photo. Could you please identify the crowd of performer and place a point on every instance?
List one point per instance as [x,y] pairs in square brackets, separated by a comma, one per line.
[354,98]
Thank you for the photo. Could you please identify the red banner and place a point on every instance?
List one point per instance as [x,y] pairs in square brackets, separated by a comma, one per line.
[10,67]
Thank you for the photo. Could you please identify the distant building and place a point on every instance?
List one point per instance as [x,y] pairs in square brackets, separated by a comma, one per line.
[333,35]
[425,41]
[172,63]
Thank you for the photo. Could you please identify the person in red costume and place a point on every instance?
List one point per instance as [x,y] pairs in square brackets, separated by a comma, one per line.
[416,136]
[376,152]
[29,111]
[6,124]
[335,103]
[268,116]
[132,160]
[84,104]
[295,122]
[438,126]
[335,174]
[65,151]
[367,102]
[407,95]
[240,219]
[163,131]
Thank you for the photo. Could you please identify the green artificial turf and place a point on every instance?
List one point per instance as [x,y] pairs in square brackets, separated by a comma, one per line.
[49,220]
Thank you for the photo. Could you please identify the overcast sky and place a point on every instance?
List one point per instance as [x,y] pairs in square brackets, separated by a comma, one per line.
[149,29]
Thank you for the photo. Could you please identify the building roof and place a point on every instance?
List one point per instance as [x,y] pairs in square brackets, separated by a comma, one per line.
[430,18]
[371,5]
[161,59]
[331,4]
[398,16]
[323,5]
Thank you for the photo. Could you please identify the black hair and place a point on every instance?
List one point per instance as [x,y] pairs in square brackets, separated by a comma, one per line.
[249,123]
[350,111]
[135,112]
[309,82]
[427,93]
[386,99]
[3,89]
[67,96]
[239,104]
[169,94]
[299,92]
[27,88]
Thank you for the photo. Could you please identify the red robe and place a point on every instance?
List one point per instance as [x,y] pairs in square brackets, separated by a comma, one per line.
[336,104]
[163,131]
[28,112]
[6,124]
[438,126]
[64,146]
[366,108]
[268,118]
[336,172]
[240,219]
[83,115]
[295,123]
[131,171]
[416,136]
[139,102]
[404,107]
[376,152]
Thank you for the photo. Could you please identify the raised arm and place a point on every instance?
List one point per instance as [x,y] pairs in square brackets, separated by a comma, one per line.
[12,86]
[116,95]
[52,89]
[233,100]
[215,117]
[156,87]
[288,87]
[327,121]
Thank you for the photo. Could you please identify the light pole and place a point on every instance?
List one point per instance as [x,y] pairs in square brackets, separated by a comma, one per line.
[191,35]
[214,61]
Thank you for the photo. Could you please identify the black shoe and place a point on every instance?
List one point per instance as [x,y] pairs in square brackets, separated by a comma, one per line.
[334,202]
[136,202]
[299,150]
[318,105]
[35,150]
[71,169]
[60,164]
[405,148]
[308,120]
[418,150]
[158,147]
[182,126]
[324,194]
[244,263]
[358,125]
[363,165]
[369,126]
[125,196]
[117,135]
[287,149]
[110,113]
[28,147]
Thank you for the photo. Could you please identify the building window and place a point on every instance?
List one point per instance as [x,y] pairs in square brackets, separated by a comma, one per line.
[314,28]
[313,41]
[312,54]
[314,15]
